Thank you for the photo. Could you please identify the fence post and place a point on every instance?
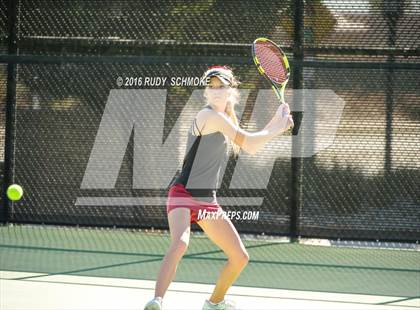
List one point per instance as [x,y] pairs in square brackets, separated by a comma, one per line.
[392,11]
[10,107]
[296,162]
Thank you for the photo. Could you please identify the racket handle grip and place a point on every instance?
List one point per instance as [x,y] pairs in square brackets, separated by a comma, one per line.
[283,110]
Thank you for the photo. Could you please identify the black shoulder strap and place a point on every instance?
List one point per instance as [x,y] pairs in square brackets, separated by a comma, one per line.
[195,125]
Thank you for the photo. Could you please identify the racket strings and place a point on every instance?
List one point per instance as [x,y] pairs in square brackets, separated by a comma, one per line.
[271,60]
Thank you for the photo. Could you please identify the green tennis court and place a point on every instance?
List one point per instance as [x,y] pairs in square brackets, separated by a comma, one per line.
[69,268]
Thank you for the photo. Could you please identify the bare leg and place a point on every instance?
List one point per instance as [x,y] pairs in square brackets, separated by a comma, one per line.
[179,226]
[222,232]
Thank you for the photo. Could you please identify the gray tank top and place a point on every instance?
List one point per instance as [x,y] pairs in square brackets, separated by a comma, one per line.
[205,155]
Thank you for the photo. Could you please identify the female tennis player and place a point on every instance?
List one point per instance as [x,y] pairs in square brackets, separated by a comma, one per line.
[194,189]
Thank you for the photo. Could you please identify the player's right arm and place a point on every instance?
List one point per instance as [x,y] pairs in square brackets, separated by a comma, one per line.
[250,142]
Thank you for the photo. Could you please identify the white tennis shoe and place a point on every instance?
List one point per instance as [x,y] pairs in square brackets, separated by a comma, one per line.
[223,305]
[154,304]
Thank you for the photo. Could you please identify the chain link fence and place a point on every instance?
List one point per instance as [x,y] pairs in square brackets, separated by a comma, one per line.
[56,76]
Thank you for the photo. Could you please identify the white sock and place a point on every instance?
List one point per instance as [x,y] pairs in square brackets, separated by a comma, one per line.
[213,304]
[159,299]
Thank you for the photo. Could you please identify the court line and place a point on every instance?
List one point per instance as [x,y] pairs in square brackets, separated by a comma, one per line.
[89,269]
[44,275]
[25,247]
[230,294]
[197,256]
[158,258]
[398,300]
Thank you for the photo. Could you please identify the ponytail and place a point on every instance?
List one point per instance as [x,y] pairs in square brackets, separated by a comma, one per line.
[230,110]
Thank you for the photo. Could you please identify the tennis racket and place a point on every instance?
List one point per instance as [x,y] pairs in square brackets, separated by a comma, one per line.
[272,63]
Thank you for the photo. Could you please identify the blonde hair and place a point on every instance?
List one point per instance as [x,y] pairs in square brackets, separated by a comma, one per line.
[230,110]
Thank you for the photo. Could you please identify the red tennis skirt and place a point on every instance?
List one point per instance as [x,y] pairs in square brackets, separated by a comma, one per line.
[179,197]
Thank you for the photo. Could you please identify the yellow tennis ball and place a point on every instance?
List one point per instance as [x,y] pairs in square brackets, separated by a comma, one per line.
[14,192]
